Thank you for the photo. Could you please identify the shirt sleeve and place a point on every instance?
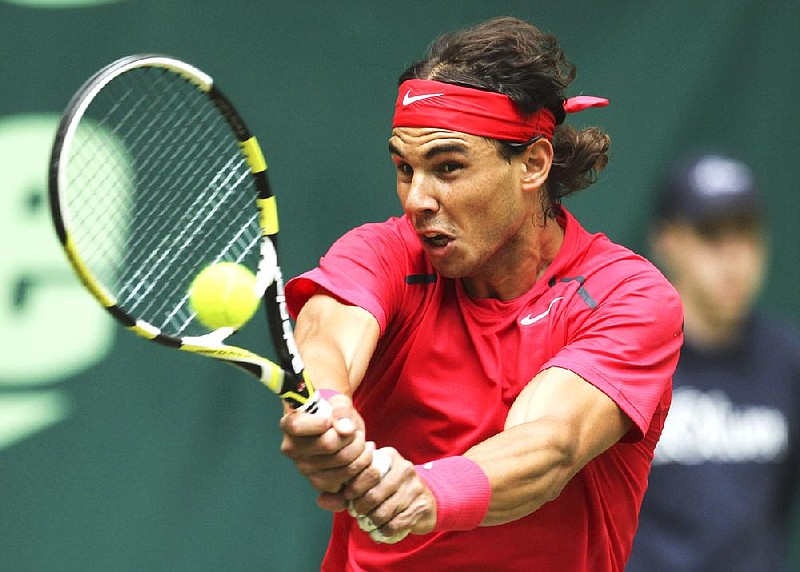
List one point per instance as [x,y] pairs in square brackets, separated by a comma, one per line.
[628,346]
[365,268]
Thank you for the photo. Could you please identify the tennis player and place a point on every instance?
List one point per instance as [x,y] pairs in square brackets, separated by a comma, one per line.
[516,366]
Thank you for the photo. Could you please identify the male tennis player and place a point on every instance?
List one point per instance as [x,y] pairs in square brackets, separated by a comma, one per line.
[518,366]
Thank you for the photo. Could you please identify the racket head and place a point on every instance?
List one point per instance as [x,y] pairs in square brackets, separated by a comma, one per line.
[154,176]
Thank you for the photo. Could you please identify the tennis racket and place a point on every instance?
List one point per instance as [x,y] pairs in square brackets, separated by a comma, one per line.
[155,176]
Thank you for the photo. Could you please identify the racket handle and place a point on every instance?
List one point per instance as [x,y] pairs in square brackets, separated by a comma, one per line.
[381,460]
[317,405]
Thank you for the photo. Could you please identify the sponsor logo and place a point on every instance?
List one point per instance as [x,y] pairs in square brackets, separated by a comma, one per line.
[529,319]
[706,426]
[408,99]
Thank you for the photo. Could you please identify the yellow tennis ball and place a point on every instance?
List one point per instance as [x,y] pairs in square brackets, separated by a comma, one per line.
[224,295]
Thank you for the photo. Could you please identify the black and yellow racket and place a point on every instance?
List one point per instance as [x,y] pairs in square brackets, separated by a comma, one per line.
[154,176]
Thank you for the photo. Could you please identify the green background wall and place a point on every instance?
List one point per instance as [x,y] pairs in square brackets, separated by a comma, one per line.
[119,455]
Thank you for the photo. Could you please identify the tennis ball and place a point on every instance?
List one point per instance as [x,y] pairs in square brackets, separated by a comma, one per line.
[224,295]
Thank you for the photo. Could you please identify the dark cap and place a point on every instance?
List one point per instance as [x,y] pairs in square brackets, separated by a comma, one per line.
[708,187]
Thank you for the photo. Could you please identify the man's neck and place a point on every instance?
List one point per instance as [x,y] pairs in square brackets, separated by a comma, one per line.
[523,262]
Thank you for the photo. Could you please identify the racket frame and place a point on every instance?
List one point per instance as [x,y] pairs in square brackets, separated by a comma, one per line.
[287,379]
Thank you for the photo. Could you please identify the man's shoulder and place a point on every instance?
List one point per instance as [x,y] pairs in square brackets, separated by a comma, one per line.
[595,250]
[610,262]
[394,230]
[393,224]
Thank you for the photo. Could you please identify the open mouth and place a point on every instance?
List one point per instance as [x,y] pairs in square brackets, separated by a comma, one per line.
[435,239]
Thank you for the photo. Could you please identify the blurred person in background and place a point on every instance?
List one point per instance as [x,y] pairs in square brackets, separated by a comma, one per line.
[725,472]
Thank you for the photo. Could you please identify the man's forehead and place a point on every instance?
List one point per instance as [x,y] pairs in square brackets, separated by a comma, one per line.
[406,140]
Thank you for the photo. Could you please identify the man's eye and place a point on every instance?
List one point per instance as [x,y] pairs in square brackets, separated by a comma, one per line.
[405,169]
[451,167]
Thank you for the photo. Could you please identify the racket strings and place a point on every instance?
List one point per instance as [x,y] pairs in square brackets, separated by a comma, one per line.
[159,188]
[95,166]
[171,248]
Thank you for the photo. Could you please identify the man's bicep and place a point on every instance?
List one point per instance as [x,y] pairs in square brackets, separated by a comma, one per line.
[336,341]
[593,419]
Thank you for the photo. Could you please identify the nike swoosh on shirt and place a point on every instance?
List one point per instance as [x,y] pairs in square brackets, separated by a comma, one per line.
[528,320]
[408,99]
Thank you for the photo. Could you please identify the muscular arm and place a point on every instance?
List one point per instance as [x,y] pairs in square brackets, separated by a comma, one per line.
[557,424]
[336,342]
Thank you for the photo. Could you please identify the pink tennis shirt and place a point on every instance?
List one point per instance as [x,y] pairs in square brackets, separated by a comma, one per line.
[448,367]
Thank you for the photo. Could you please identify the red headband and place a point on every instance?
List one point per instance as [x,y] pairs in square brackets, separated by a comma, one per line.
[428,103]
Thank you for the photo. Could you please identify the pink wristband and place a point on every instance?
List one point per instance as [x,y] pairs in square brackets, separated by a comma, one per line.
[326,394]
[461,489]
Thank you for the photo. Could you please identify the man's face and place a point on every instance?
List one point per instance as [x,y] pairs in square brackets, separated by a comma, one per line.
[464,199]
[718,269]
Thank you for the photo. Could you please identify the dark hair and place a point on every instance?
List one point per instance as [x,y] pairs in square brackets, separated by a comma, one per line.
[512,57]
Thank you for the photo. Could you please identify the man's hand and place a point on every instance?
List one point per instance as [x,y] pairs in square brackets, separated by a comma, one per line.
[332,453]
[397,503]
[329,451]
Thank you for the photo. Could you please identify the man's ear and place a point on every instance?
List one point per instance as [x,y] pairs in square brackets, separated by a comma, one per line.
[537,159]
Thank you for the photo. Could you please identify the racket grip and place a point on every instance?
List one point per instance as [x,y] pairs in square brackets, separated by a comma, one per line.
[381,460]
[317,405]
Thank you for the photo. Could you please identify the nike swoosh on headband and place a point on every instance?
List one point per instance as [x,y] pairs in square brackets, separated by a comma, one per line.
[408,99]
[478,112]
